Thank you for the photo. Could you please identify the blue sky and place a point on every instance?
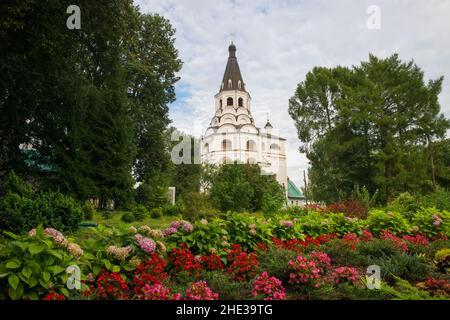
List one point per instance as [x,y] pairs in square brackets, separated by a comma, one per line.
[278,42]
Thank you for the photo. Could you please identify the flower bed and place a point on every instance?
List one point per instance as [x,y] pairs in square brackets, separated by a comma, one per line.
[318,256]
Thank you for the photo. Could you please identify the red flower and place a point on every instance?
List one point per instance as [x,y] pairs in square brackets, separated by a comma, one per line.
[54,296]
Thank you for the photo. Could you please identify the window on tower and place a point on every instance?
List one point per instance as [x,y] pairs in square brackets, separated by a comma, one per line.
[220,103]
[230,84]
[251,145]
[229,101]
[239,84]
[240,102]
[226,145]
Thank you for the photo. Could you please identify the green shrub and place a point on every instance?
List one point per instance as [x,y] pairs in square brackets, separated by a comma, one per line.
[439,199]
[171,210]
[140,212]
[376,249]
[227,287]
[340,253]
[342,225]
[196,205]
[442,260]
[405,203]
[51,209]
[432,222]
[128,217]
[156,213]
[206,236]
[14,184]
[406,266]
[248,230]
[345,291]
[379,220]
[403,290]
[29,265]
[88,209]
[275,262]
[314,224]
[18,214]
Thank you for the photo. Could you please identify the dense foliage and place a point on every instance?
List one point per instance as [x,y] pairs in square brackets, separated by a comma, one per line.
[90,105]
[376,124]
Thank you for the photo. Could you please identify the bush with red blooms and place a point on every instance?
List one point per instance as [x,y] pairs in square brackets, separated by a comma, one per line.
[437,287]
[350,208]
[54,296]
[270,288]
[322,261]
[366,236]
[109,285]
[303,271]
[241,264]
[200,291]
[418,240]
[150,271]
[298,245]
[351,239]
[346,275]
[397,241]
[212,262]
[184,261]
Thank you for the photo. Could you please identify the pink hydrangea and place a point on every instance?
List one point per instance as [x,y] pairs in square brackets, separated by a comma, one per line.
[322,260]
[186,226]
[269,287]
[156,291]
[200,291]
[304,272]
[286,223]
[346,274]
[171,230]
[146,244]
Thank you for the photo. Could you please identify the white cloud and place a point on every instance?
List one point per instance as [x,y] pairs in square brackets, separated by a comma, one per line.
[278,42]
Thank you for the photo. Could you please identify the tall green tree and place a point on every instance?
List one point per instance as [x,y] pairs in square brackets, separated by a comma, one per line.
[92,103]
[367,125]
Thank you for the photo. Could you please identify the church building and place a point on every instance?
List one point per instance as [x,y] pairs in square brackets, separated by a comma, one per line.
[233,136]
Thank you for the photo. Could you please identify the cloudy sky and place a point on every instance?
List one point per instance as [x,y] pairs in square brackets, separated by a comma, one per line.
[278,42]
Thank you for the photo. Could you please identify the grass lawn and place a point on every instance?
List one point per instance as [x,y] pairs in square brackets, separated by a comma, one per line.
[115,221]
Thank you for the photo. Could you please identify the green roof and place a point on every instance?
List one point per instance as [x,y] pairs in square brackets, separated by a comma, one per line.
[293,191]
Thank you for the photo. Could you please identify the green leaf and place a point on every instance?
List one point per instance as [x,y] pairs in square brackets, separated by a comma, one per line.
[56,269]
[12,235]
[15,294]
[46,276]
[3,275]
[13,281]
[35,249]
[89,256]
[107,263]
[116,269]
[54,253]
[65,292]
[27,272]
[96,270]
[13,264]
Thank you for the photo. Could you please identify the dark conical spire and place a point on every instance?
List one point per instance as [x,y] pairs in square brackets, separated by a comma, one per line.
[232,78]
